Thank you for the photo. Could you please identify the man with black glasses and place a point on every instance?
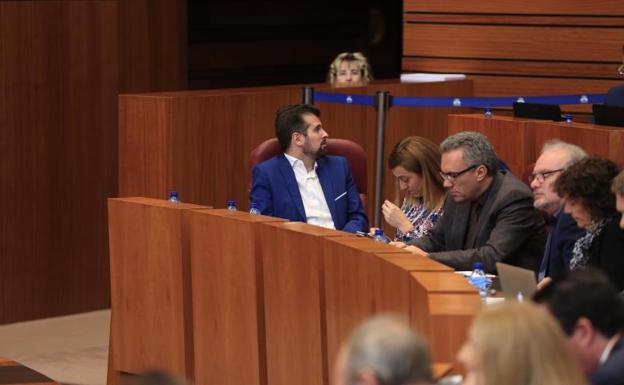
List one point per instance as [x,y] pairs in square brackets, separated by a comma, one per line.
[488,214]
[563,232]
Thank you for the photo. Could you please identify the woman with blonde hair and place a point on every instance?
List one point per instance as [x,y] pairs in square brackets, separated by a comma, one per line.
[415,163]
[518,344]
[349,69]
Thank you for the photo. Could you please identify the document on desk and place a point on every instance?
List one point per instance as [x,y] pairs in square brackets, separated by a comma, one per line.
[429,78]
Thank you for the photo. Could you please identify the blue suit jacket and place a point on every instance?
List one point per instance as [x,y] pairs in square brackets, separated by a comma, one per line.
[558,252]
[275,192]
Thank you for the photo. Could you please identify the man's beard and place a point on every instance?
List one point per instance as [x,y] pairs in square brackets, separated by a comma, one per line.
[321,152]
[318,154]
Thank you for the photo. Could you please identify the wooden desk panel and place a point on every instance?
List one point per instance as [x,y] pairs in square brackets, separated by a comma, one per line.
[294,303]
[150,286]
[594,139]
[442,307]
[355,289]
[512,138]
[228,304]
[519,141]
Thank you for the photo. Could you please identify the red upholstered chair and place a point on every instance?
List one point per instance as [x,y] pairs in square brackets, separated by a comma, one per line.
[342,147]
[526,174]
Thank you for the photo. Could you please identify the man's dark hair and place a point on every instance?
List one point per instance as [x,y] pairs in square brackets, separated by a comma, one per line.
[584,293]
[289,119]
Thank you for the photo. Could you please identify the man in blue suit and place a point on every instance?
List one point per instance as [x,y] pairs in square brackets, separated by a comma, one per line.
[304,184]
[556,157]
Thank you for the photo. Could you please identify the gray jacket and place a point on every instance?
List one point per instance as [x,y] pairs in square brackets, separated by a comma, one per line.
[510,230]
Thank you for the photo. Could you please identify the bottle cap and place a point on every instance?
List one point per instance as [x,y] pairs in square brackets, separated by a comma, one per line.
[379,232]
[231,203]
[477,266]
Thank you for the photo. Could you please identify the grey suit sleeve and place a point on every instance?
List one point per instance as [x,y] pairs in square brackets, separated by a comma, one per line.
[514,224]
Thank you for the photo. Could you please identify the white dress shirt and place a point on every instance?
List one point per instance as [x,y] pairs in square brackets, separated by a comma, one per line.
[314,203]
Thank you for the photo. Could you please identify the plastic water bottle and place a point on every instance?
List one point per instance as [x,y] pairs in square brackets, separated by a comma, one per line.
[568,118]
[231,205]
[253,210]
[487,112]
[479,280]
[379,236]
[173,197]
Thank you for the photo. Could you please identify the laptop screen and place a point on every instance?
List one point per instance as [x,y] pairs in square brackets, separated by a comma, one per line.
[608,115]
[516,280]
[537,111]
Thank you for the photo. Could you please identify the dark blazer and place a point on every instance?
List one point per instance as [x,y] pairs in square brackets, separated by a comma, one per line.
[612,371]
[607,252]
[558,252]
[276,193]
[510,229]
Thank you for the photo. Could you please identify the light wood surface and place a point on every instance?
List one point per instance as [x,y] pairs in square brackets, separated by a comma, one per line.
[294,302]
[151,320]
[228,300]
[519,141]
[442,306]
[269,299]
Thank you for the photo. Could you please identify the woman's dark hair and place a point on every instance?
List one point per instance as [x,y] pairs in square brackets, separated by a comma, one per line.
[588,181]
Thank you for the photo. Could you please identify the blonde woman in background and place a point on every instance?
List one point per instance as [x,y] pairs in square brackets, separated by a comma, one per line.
[415,163]
[349,69]
[518,344]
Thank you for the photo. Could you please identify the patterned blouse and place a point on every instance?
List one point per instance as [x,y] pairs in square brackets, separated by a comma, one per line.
[422,219]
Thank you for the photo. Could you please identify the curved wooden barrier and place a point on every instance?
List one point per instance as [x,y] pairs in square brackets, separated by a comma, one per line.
[270,300]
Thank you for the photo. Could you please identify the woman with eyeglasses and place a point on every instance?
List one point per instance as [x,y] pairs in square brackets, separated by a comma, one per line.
[586,189]
[415,163]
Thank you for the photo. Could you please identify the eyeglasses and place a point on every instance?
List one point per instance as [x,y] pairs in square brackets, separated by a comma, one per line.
[450,176]
[542,176]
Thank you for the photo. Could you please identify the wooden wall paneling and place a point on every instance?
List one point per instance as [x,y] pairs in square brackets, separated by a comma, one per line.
[207,138]
[557,7]
[513,42]
[442,307]
[512,138]
[294,302]
[145,151]
[228,301]
[153,45]
[59,78]
[151,323]
[512,49]
[57,165]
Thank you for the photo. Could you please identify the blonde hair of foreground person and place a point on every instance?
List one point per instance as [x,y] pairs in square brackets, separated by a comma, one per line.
[357,60]
[518,344]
